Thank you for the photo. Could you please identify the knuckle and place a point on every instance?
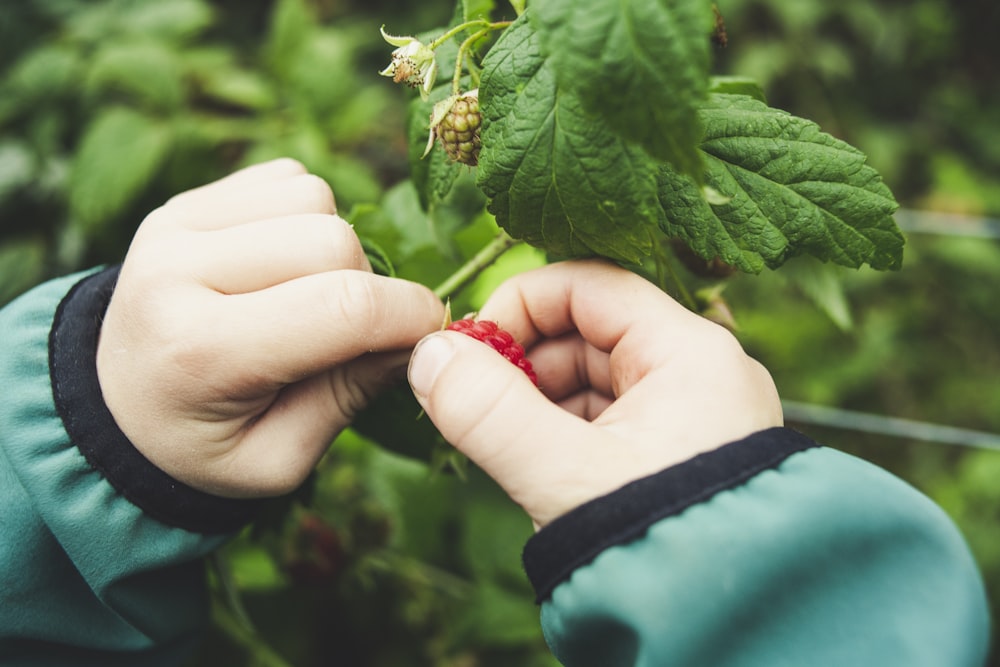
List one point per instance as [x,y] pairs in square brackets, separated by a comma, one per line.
[317,193]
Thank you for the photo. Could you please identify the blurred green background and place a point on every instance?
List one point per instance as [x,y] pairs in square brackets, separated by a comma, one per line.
[109,107]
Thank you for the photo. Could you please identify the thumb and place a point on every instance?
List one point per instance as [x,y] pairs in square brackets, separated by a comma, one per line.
[490,411]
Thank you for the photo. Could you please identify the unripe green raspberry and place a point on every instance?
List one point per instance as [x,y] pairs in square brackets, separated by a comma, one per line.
[458,128]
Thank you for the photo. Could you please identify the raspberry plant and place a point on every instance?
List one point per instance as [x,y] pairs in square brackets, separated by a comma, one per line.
[597,128]
[604,133]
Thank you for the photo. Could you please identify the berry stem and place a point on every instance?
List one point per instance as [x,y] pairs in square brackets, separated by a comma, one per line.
[476,265]
[457,78]
[486,25]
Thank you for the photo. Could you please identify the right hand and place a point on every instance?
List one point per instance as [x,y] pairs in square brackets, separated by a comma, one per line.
[631,383]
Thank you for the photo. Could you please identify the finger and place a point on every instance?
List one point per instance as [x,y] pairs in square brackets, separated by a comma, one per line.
[568,365]
[614,310]
[489,410]
[240,180]
[279,449]
[599,299]
[298,328]
[257,255]
[245,202]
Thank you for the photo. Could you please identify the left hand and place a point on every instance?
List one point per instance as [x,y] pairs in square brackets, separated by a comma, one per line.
[247,329]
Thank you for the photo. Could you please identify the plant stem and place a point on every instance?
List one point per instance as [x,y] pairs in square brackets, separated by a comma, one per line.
[468,271]
[456,79]
[486,25]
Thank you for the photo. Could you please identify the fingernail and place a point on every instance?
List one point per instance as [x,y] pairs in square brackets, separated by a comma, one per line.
[429,357]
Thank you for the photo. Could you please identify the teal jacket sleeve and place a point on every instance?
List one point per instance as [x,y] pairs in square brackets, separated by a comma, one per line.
[100,551]
[768,552]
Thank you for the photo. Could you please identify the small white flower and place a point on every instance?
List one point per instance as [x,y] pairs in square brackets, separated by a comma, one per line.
[412,63]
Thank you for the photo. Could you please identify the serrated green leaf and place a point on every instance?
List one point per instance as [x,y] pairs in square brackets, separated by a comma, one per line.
[558,177]
[640,64]
[792,190]
[117,158]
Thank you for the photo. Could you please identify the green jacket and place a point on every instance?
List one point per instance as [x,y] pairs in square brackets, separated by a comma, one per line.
[771,551]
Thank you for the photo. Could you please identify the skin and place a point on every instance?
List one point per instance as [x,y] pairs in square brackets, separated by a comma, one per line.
[631,383]
[247,330]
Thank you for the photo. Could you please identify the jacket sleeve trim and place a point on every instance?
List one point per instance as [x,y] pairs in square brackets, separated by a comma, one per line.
[92,428]
[574,539]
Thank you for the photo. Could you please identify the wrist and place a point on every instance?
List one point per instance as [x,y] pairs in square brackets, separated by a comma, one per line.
[94,432]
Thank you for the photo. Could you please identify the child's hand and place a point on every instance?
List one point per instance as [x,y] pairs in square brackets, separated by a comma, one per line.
[632,381]
[247,330]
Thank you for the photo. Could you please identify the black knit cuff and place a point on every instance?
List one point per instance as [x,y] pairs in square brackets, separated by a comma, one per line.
[576,538]
[90,426]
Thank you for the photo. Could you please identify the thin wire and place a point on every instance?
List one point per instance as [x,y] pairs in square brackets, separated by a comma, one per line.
[947,224]
[896,427]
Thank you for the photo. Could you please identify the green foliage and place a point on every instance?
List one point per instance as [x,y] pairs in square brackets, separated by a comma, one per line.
[625,147]
[556,176]
[567,178]
[787,188]
[641,65]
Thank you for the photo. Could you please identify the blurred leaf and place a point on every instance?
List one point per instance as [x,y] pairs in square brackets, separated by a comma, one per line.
[177,20]
[17,167]
[496,617]
[149,72]
[217,75]
[737,85]
[46,73]
[494,531]
[822,283]
[22,265]
[118,156]
[291,26]
[253,568]
[477,9]
[319,72]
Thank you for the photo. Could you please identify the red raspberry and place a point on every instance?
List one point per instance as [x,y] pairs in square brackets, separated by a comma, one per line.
[490,333]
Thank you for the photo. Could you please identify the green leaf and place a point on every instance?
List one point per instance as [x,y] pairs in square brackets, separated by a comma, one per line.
[176,20]
[22,265]
[640,64]
[377,257]
[557,176]
[146,71]
[43,75]
[117,158]
[477,9]
[788,189]
[823,285]
[737,85]
[291,24]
